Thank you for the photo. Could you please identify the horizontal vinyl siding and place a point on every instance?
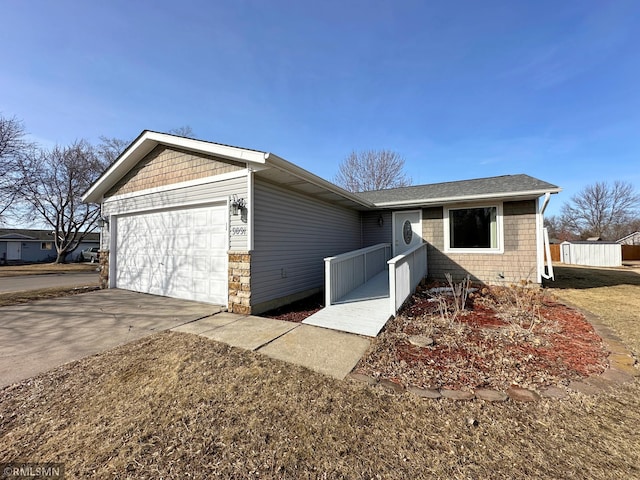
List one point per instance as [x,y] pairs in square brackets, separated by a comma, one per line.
[295,233]
[191,196]
[372,232]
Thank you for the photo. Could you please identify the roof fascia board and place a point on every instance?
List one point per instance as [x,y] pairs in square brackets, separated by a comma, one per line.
[216,149]
[467,198]
[627,236]
[309,177]
[147,141]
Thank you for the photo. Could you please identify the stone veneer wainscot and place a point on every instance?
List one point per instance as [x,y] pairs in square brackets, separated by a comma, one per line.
[240,282]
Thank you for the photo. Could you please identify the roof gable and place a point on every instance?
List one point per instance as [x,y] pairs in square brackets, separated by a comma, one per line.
[629,237]
[282,171]
[15,236]
[165,165]
[147,141]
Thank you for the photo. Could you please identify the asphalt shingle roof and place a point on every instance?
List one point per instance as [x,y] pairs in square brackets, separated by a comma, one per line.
[31,234]
[483,187]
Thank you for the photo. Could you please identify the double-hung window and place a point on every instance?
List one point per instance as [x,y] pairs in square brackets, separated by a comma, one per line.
[474,229]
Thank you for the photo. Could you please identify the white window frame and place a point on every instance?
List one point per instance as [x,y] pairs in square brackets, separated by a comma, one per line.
[499,229]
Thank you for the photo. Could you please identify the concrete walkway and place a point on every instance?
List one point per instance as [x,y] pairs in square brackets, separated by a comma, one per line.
[326,351]
[38,336]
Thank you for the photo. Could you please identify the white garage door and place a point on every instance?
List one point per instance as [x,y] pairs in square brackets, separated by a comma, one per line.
[174,253]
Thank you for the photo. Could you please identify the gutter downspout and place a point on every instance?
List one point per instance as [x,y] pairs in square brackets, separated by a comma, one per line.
[545,241]
[547,197]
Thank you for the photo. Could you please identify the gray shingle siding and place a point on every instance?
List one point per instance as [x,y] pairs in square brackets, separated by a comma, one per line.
[518,262]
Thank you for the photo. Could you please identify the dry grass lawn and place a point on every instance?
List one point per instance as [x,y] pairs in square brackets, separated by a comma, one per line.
[612,294]
[13,298]
[45,268]
[180,406]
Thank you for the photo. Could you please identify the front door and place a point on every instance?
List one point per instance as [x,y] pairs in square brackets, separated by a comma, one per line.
[14,250]
[407,230]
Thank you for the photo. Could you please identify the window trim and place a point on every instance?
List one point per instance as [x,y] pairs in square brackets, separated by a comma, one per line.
[50,245]
[499,229]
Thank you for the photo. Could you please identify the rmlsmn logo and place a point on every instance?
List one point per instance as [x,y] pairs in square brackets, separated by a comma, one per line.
[17,471]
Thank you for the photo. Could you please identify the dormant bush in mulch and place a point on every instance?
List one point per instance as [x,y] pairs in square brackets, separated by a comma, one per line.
[485,337]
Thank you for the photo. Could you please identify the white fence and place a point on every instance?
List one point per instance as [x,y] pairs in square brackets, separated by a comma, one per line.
[594,254]
[345,272]
[405,273]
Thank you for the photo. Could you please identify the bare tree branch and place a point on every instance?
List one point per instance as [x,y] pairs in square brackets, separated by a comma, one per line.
[602,210]
[372,170]
[183,131]
[52,184]
[12,144]
[110,148]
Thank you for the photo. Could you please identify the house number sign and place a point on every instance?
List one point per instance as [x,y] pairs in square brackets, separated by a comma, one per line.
[407,232]
[238,231]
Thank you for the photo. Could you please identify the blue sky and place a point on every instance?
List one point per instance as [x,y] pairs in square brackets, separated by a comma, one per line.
[461,89]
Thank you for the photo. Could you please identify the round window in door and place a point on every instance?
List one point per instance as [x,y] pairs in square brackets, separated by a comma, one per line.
[407,232]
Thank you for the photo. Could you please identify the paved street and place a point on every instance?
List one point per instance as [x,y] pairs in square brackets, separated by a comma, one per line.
[36,282]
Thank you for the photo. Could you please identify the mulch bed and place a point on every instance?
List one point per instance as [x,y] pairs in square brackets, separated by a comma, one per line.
[297,311]
[504,336]
[518,335]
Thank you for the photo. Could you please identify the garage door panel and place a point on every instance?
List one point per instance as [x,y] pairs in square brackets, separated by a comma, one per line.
[201,241]
[177,253]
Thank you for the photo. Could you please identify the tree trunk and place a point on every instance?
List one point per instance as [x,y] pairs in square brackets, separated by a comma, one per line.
[62,257]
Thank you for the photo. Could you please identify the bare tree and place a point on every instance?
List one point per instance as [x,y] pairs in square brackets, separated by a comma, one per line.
[12,144]
[372,170]
[110,148]
[52,184]
[559,229]
[602,209]
[184,131]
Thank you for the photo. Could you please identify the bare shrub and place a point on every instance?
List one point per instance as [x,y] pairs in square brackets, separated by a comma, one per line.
[520,304]
[459,292]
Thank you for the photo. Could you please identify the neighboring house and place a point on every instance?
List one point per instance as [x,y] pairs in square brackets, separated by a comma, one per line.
[246,229]
[631,239]
[27,245]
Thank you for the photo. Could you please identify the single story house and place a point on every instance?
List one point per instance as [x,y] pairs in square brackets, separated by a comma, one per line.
[631,239]
[249,230]
[29,245]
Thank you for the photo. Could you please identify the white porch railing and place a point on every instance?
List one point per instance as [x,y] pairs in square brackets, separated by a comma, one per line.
[345,272]
[405,273]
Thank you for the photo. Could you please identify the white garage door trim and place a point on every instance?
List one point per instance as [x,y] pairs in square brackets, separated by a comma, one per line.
[179,252]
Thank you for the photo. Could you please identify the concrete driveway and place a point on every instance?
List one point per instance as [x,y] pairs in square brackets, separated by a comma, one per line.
[41,335]
[23,283]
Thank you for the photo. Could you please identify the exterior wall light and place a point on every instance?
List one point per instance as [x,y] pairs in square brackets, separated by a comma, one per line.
[236,204]
[380,220]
